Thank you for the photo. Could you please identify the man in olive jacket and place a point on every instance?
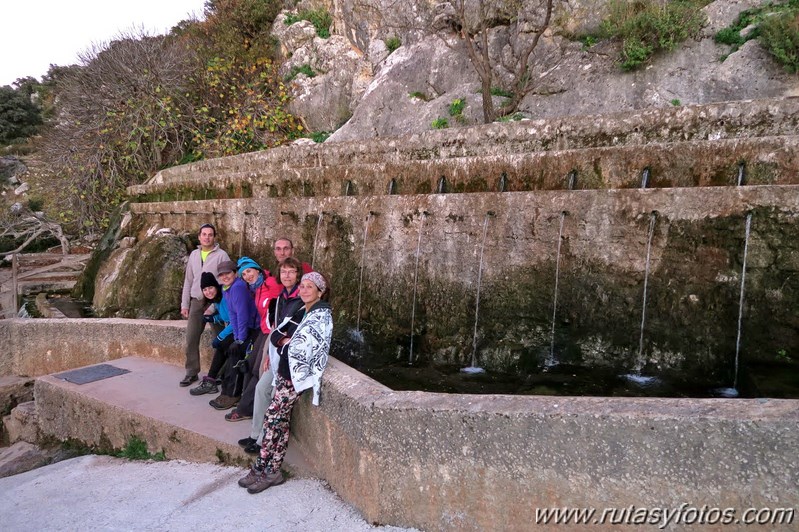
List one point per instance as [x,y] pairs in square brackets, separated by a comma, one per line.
[205,258]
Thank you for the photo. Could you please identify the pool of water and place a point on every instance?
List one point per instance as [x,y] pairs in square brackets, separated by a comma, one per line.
[779,381]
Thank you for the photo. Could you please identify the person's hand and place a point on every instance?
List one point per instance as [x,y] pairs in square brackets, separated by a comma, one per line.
[216,342]
[208,318]
[265,364]
[184,312]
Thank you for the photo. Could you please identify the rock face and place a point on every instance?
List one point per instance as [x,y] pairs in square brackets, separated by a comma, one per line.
[143,281]
[403,92]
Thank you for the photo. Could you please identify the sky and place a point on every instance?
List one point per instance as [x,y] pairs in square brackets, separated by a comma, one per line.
[37,33]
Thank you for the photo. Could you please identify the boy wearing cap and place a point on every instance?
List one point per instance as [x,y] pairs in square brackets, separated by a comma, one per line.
[206,258]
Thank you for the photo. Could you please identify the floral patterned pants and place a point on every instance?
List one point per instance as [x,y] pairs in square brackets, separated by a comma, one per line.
[276,425]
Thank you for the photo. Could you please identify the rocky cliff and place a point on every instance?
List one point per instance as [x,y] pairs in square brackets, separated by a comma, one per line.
[361,90]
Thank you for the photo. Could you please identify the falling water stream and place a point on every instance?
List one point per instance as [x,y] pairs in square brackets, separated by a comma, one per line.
[360,277]
[415,280]
[640,363]
[645,178]
[316,238]
[473,367]
[733,392]
[551,361]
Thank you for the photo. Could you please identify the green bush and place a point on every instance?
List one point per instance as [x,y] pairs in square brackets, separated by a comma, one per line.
[646,27]
[675,102]
[440,123]
[301,69]
[320,18]
[136,449]
[320,136]
[779,34]
[457,106]
[392,43]
[420,95]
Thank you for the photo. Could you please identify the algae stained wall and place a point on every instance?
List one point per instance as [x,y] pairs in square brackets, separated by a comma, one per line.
[368,247]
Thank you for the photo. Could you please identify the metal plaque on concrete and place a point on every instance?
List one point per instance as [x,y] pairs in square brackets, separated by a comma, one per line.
[91,373]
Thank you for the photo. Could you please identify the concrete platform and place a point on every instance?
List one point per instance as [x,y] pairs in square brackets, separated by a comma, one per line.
[147,403]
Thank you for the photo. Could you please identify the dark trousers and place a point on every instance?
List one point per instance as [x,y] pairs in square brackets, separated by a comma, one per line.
[233,381]
[220,357]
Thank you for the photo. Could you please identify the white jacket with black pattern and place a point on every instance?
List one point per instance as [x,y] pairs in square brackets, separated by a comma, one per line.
[309,349]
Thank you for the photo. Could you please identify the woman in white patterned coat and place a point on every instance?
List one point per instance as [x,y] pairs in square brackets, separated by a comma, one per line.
[303,358]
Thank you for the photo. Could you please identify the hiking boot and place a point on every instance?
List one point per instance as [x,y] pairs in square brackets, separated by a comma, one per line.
[246,442]
[253,448]
[208,385]
[265,480]
[187,380]
[252,476]
[224,402]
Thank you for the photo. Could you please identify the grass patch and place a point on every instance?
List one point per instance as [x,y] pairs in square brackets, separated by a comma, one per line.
[777,27]
[320,18]
[392,43]
[513,117]
[319,136]
[440,123]
[419,95]
[646,27]
[136,449]
[301,69]
[675,102]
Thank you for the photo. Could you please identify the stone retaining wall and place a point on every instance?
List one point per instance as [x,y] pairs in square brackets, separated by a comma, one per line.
[472,462]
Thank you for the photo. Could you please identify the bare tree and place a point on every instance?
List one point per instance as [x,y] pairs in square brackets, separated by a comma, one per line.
[476,21]
[121,117]
[20,223]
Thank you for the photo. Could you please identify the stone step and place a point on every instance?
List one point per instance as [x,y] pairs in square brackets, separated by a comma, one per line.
[765,160]
[146,403]
[713,122]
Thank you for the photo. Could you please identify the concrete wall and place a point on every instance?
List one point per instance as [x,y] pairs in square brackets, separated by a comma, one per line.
[693,285]
[34,347]
[471,462]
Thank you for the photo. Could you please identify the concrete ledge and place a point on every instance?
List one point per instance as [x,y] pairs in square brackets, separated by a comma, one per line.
[146,403]
[470,462]
[35,347]
[441,461]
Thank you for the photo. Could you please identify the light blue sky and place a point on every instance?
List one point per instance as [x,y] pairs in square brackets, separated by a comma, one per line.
[39,33]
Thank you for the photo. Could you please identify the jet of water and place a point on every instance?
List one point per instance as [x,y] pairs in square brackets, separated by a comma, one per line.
[473,368]
[645,178]
[741,299]
[415,280]
[640,363]
[551,359]
[360,277]
[572,179]
[316,238]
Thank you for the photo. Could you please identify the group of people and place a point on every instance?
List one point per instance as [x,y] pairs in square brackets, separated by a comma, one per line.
[271,343]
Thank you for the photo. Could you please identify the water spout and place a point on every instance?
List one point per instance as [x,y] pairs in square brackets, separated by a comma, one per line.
[316,238]
[503,182]
[572,179]
[640,363]
[442,185]
[473,367]
[392,187]
[347,187]
[741,173]
[415,280]
[645,177]
[360,277]
[551,361]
